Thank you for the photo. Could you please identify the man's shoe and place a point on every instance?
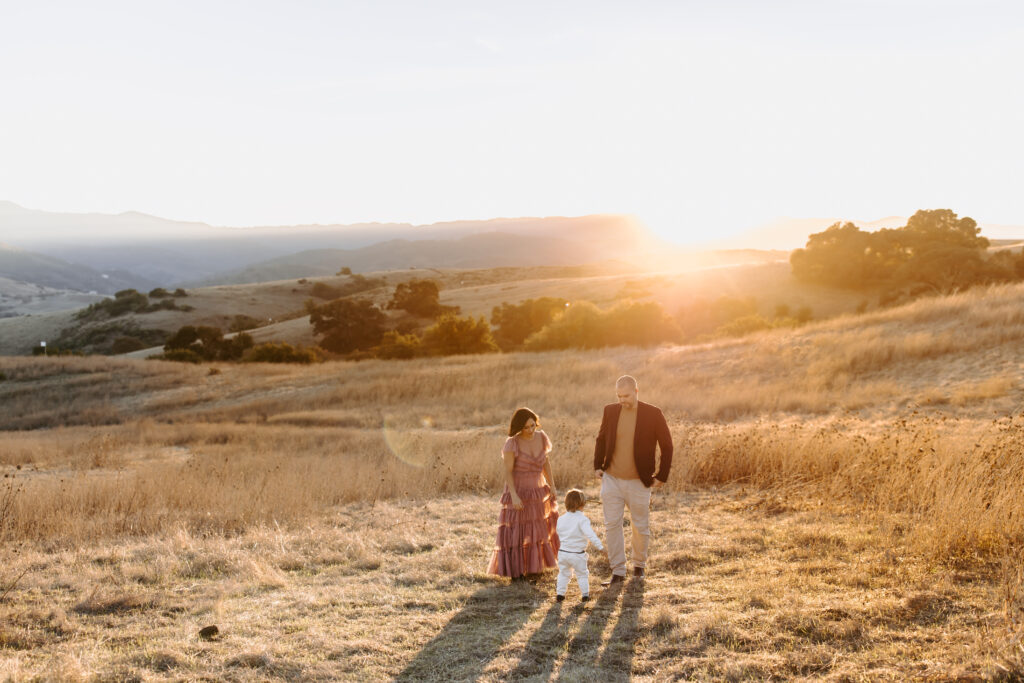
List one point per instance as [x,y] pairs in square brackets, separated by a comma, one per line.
[585,598]
[614,580]
[559,598]
[639,573]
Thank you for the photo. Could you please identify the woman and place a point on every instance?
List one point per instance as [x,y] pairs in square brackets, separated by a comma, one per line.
[527,540]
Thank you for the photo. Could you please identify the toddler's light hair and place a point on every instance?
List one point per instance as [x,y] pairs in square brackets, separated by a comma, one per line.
[575,500]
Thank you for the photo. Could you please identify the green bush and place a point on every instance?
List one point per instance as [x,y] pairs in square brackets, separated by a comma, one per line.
[164,305]
[101,337]
[55,351]
[347,325]
[580,327]
[125,301]
[585,326]
[182,356]
[240,323]
[452,335]
[279,353]
[421,298]
[639,324]
[515,322]
[324,291]
[126,345]
[208,343]
[180,292]
[131,301]
[395,345]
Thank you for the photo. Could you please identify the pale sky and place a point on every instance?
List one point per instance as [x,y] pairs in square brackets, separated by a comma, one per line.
[701,118]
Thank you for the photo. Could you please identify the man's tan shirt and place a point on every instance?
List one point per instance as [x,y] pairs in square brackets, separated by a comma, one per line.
[623,465]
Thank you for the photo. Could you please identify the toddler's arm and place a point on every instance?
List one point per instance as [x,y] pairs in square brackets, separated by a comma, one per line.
[588,531]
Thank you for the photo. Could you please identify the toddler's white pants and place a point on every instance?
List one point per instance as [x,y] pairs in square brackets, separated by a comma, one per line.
[567,564]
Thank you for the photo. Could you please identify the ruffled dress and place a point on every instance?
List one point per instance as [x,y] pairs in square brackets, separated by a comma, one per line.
[527,542]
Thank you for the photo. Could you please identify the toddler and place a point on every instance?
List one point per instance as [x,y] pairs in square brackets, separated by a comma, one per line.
[573,532]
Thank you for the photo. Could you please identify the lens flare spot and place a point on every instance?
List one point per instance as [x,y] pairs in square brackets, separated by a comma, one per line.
[410,444]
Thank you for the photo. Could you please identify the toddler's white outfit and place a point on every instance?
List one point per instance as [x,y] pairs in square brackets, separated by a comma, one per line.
[574,531]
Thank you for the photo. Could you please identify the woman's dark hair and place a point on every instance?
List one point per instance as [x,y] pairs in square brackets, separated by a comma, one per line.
[519,419]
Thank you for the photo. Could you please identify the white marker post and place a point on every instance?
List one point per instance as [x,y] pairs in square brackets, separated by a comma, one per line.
[43,344]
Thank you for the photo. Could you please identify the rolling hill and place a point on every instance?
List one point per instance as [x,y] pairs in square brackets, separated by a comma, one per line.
[54,273]
[476,291]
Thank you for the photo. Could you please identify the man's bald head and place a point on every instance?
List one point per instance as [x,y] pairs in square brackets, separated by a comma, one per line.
[626,392]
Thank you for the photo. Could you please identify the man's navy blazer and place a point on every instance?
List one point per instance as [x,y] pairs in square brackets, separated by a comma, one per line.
[651,429]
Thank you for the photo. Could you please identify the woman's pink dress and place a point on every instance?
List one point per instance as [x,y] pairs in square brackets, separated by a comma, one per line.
[527,541]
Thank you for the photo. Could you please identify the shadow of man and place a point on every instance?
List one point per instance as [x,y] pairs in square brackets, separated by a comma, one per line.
[619,652]
[473,637]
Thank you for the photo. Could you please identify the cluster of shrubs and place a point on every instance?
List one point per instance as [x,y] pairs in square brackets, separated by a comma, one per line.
[936,252]
[132,301]
[241,322]
[196,344]
[161,293]
[360,329]
[205,343]
[113,336]
[357,329]
[55,350]
[728,316]
[354,285]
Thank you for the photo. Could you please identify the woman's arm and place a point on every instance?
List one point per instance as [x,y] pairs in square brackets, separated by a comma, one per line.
[550,479]
[510,481]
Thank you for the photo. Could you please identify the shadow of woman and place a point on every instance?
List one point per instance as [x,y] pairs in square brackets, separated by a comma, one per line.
[473,637]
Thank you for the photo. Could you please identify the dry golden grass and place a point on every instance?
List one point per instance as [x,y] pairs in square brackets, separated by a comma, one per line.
[395,591]
[879,459]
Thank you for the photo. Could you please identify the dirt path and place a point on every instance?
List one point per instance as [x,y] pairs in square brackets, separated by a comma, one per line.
[740,587]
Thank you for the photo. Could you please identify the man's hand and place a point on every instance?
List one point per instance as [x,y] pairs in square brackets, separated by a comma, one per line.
[598,473]
[658,483]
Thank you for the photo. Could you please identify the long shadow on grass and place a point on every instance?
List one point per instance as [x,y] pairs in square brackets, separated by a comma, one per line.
[473,637]
[616,661]
[547,643]
[582,650]
[618,653]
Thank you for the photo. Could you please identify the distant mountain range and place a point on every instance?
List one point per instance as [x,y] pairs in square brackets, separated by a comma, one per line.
[148,251]
[105,253]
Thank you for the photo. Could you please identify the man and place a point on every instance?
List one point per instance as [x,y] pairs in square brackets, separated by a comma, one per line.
[624,461]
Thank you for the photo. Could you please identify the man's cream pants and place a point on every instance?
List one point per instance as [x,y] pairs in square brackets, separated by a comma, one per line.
[617,494]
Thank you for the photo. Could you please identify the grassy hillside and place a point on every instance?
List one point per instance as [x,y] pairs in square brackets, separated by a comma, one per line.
[279,305]
[40,269]
[844,502]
